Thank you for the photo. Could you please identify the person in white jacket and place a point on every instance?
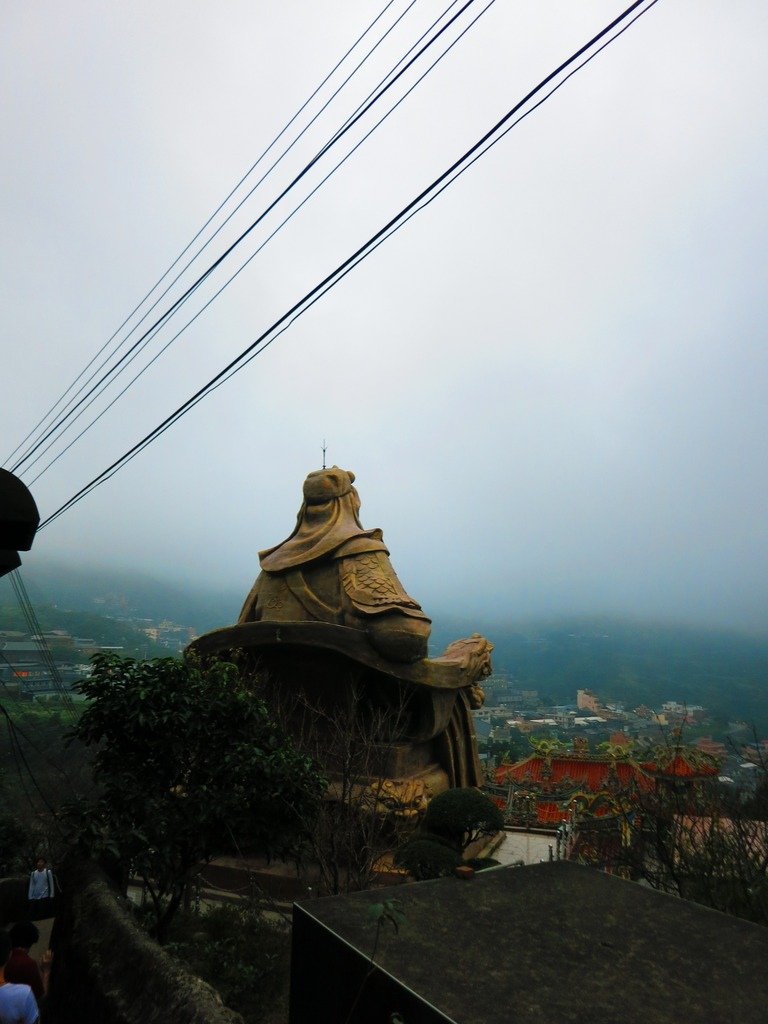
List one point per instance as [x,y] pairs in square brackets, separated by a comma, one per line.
[40,881]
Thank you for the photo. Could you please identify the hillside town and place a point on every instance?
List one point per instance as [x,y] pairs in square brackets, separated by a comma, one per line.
[512,717]
[39,664]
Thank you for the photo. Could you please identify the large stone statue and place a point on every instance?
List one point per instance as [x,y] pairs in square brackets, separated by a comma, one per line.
[327,611]
[332,570]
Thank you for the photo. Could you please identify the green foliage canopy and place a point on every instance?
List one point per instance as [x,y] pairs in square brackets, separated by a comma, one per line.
[462,816]
[245,956]
[189,763]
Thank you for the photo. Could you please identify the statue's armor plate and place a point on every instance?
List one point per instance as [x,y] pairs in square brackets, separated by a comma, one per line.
[371,584]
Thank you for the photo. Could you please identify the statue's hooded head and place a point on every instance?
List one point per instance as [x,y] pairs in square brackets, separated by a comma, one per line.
[327,519]
[324,485]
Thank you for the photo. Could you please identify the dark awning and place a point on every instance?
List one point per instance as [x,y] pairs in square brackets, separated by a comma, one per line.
[19,520]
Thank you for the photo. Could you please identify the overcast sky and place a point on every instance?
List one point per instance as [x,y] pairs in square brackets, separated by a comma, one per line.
[551,384]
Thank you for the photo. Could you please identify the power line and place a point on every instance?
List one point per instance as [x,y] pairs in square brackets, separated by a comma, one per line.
[361,111]
[24,735]
[206,274]
[248,260]
[14,753]
[407,54]
[141,343]
[229,280]
[19,758]
[413,212]
[147,335]
[33,622]
[486,142]
[192,241]
[48,710]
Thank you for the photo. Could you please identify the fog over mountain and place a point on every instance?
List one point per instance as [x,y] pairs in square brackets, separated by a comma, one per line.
[550,384]
[638,662]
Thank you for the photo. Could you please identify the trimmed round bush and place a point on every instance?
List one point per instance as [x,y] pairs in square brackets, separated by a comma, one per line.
[462,816]
[424,858]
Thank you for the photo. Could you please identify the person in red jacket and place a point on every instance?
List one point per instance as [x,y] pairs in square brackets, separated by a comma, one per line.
[21,968]
[17,1003]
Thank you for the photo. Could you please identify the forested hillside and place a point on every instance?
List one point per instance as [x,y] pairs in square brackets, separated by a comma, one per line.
[637,663]
[103,631]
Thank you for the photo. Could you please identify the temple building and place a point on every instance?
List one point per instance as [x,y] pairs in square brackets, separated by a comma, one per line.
[556,782]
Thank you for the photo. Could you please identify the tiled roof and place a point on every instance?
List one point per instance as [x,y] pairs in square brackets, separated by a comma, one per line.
[595,773]
[683,764]
[590,773]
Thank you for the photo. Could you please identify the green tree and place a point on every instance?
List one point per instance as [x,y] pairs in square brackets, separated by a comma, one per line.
[462,816]
[188,763]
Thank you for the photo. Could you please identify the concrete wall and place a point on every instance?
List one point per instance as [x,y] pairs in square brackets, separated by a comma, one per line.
[106,970]
[13,900]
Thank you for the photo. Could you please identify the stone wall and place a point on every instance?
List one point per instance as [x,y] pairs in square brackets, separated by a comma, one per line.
[106,970]
[13,900]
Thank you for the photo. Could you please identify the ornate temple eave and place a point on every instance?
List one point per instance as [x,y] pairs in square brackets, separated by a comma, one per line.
[437,674]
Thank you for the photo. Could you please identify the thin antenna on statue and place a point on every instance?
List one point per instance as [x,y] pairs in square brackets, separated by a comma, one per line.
[323,453]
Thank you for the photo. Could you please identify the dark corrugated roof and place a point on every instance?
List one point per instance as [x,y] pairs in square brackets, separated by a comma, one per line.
[561,943]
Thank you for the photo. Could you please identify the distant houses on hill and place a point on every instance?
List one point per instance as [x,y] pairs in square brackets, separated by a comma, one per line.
[25,660]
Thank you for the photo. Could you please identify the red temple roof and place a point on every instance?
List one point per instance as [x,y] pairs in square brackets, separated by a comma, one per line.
[595,773]
[590,773]
[682,763]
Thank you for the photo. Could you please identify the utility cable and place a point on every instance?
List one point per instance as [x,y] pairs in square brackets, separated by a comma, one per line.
[32,620]
[246,262]
[405,56]
[134,351]
[189,245]
[16,760]
[143,343]
[420,202]
[48,710]
[25,735]
[416,210]
[413,212]
[204,276]
[64,416]
[19,758]
[33,624]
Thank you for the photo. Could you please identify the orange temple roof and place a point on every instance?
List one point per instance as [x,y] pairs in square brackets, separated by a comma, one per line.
[684,764]
[595,773]
[591,773]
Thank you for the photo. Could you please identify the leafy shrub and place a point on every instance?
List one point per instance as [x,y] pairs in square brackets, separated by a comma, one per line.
[188,761]
[462,816]
[424,858]
[243,954]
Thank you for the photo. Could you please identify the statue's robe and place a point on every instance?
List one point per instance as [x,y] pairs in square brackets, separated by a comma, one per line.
[332,570]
